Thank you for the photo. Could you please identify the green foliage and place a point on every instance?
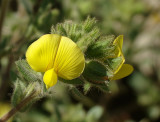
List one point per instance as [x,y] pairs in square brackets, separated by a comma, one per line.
[67,29]
[135,98]
[27,73]
[95,47]
[97,50]
[30,82]
[18,95]
[89,24]
[88,39]
[102,48]
[83,34]
[21,91]
[95,71]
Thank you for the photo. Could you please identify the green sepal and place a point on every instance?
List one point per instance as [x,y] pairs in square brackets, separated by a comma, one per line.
[95,72]
[102,49]
[18,94]
[68,29]
[88,38]
[89,24]
[76,81]
[114,64]
[83,34]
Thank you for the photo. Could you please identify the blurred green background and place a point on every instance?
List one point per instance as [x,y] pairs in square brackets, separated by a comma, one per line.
[132,99]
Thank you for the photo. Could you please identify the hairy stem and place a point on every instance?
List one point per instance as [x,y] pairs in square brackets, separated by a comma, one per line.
[14,110]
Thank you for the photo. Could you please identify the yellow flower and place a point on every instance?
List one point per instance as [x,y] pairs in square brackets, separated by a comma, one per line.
[57,56]
[124,69]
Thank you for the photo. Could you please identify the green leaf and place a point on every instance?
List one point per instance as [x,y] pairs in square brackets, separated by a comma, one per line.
[21,91]
[27,73]
[18,95]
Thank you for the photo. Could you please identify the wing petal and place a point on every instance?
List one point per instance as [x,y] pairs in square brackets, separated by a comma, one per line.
[124,71]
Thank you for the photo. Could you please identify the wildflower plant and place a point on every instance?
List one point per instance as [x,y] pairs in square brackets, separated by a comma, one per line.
[75,54]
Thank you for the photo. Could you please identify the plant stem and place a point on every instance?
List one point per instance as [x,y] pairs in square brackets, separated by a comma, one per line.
[14,110]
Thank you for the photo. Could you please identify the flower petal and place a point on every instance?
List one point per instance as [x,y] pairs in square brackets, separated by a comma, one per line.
[115,64]
[124,71]
[69,62]
[41,53]
[119,41]
[50,78]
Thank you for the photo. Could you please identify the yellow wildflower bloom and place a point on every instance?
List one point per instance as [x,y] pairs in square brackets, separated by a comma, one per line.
[56,56]
[124,69]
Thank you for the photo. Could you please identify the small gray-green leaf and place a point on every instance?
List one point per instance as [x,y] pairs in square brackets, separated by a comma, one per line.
[26,71]
[17,96]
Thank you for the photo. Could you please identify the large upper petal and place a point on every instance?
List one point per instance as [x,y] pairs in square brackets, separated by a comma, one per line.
[69,62]
[41,53]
